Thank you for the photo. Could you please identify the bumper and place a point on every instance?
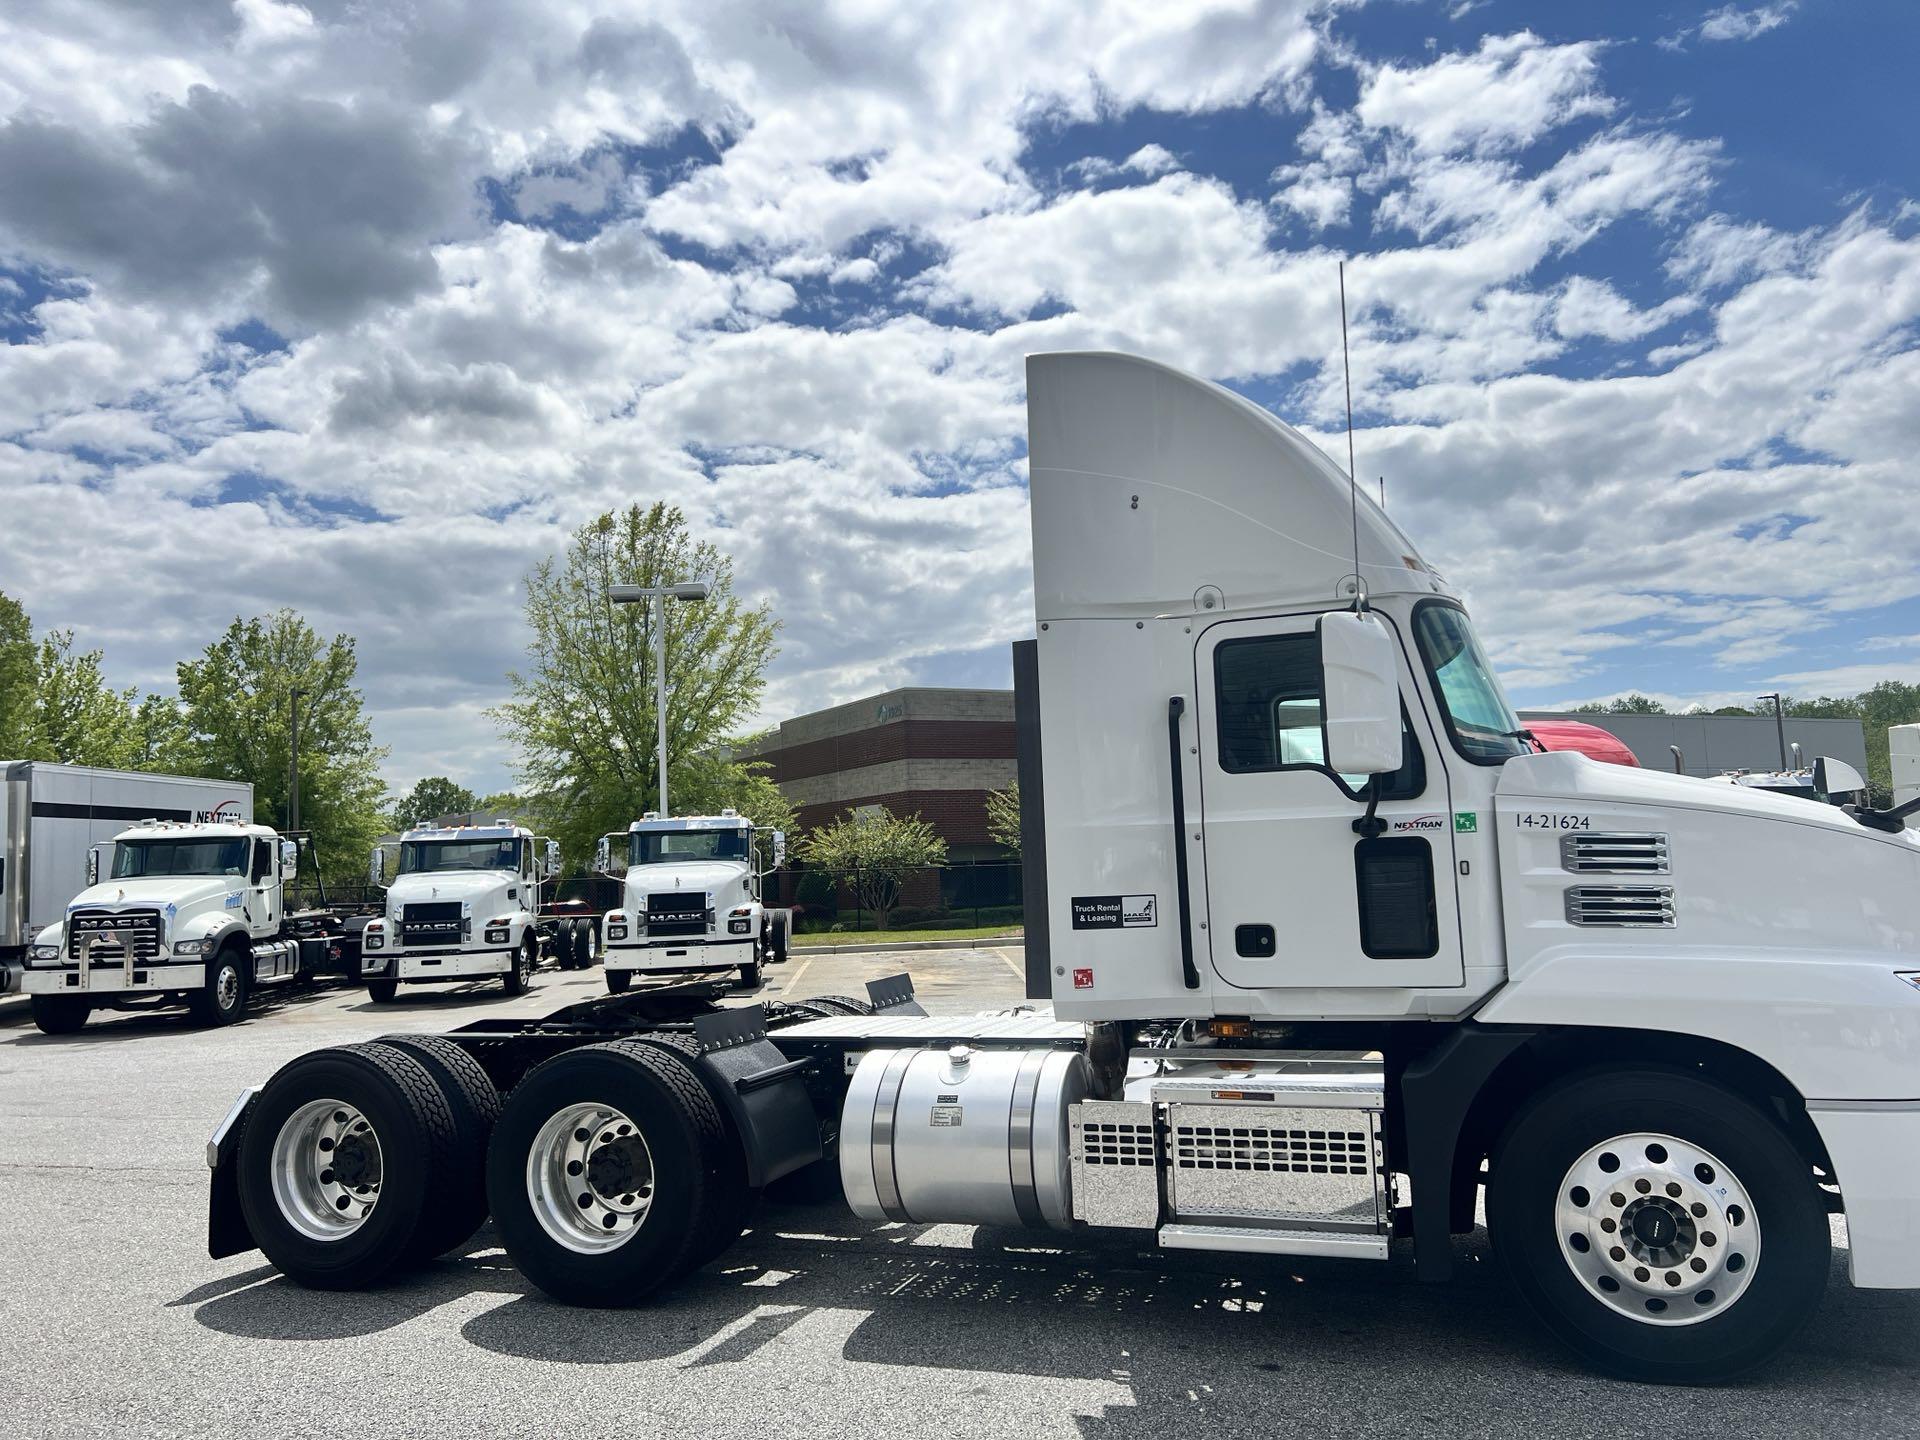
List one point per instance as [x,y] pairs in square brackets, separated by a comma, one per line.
[446,965]
[729,954]
[1875,1148]
[114,980]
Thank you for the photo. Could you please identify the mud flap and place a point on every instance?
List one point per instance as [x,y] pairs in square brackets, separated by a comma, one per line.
[227,1232]
[761,1089]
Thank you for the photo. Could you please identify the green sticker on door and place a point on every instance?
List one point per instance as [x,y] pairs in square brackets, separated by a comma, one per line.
[1466,822]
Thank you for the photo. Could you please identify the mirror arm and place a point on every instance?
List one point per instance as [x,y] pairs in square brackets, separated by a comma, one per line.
[1370,824]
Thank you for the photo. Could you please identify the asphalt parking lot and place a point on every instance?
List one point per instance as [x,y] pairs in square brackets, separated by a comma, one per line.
[814,1324]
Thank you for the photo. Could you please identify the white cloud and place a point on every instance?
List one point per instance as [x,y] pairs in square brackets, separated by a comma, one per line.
[1508,93]
[1730,22]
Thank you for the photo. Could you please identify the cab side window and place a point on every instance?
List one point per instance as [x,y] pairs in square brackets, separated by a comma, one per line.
[1267,698]
[262,861]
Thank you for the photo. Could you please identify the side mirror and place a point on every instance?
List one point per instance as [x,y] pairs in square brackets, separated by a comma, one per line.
[1836,777]
[93,866]
[1361,676]
[553,859]
[779,848]
[289,859]
[603,856]
[377,866]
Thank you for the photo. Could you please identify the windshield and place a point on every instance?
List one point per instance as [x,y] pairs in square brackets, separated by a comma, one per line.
[133,859]
[1483,725]
[418,856]
[661,847]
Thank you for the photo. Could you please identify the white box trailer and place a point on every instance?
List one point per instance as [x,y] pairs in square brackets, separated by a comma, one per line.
[51,815]
[1903,751]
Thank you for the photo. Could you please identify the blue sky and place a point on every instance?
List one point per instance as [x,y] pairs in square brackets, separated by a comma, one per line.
[362,318]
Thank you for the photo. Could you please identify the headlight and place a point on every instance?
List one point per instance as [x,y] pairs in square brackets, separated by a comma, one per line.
[616,929]
[739,927]
[497,937]
[190,947]
[46,952]
[373,940]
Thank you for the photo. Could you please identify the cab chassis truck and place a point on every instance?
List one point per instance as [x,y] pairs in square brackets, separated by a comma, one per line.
[1334,959]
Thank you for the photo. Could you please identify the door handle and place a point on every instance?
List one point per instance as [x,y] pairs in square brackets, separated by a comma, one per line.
[1176,706]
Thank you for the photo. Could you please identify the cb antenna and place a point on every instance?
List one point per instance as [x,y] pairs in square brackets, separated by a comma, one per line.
[1353,485]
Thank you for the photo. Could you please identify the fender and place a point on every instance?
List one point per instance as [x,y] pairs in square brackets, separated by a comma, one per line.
[1837,1026]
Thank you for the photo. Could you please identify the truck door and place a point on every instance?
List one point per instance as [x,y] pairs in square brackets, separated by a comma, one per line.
[263,885]
[1295,897]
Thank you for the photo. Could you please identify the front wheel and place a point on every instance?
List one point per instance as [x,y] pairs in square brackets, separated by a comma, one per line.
[59,1014]
[618,980]
[223,999]
[520,973]
[381,992]
[750,975]
[1661,1226]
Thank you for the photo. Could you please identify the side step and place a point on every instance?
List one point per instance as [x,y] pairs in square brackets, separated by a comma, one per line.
[1248,1239]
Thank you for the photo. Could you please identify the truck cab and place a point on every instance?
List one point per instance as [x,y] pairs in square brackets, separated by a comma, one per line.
[172,910]
[463,903]
[690,899]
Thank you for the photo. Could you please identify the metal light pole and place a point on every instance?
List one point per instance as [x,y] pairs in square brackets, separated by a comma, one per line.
[293,784]
[1779,725]
[691,590]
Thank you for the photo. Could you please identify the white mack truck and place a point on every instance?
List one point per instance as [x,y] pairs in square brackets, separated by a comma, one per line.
[1337,963]
[464,904]
[690,900]
[181,911]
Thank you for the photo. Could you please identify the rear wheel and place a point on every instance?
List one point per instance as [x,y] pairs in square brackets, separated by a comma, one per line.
[223,998]
[381,992]
[60,1014]
[583,937]
[457,1205]
[779,936]
[618,980]
[520,973]
[1629,1208]
[341,1159]
[605,1173]
[750,975]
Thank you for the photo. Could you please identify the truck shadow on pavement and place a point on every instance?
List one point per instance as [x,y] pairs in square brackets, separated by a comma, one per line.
[1186,1337]
[143,1018]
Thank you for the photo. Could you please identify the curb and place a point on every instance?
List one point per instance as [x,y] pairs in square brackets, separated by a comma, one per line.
[984,942]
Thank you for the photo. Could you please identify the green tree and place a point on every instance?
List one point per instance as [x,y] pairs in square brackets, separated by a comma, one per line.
[78,719]
[1633,704]
[1003,817]
[433,796]
[235,703]
[582,717]
[873,851]
[16,679]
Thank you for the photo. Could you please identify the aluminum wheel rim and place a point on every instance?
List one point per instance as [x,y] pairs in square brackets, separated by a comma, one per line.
[590,1178]
[1657,1229]
[226,986]
[326,1170]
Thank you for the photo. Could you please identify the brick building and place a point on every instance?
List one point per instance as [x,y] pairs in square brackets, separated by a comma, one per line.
[936,752]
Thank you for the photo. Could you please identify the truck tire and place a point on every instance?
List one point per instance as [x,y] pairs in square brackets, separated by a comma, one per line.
[59,1014]
[842,1005]
[750,975]
[779,936]
[340,1161]
[222,1000]
[618,980]
[1629,1208]
[458,1205]
[583,935]
[381,992]
[586,1125]
[520,974]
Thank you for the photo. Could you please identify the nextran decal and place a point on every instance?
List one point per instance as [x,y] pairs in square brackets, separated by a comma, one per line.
[227,812]
[1420,822]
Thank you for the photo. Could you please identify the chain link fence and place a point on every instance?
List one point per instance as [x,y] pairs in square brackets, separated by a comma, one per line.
[958,896]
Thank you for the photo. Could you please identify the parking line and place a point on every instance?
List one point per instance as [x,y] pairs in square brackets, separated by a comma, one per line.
[794,978]
[1019,970]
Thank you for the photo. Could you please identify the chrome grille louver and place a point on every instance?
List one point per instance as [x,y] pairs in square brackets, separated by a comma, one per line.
[108,932]
[1593,852]
[1620,905]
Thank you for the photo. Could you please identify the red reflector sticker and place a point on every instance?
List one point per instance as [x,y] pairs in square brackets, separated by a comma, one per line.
[1083,979]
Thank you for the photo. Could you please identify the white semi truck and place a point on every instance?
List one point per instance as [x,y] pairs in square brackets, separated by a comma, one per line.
[191,911]
[464,904]
[690,900]
[1337,963]
[52,815]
